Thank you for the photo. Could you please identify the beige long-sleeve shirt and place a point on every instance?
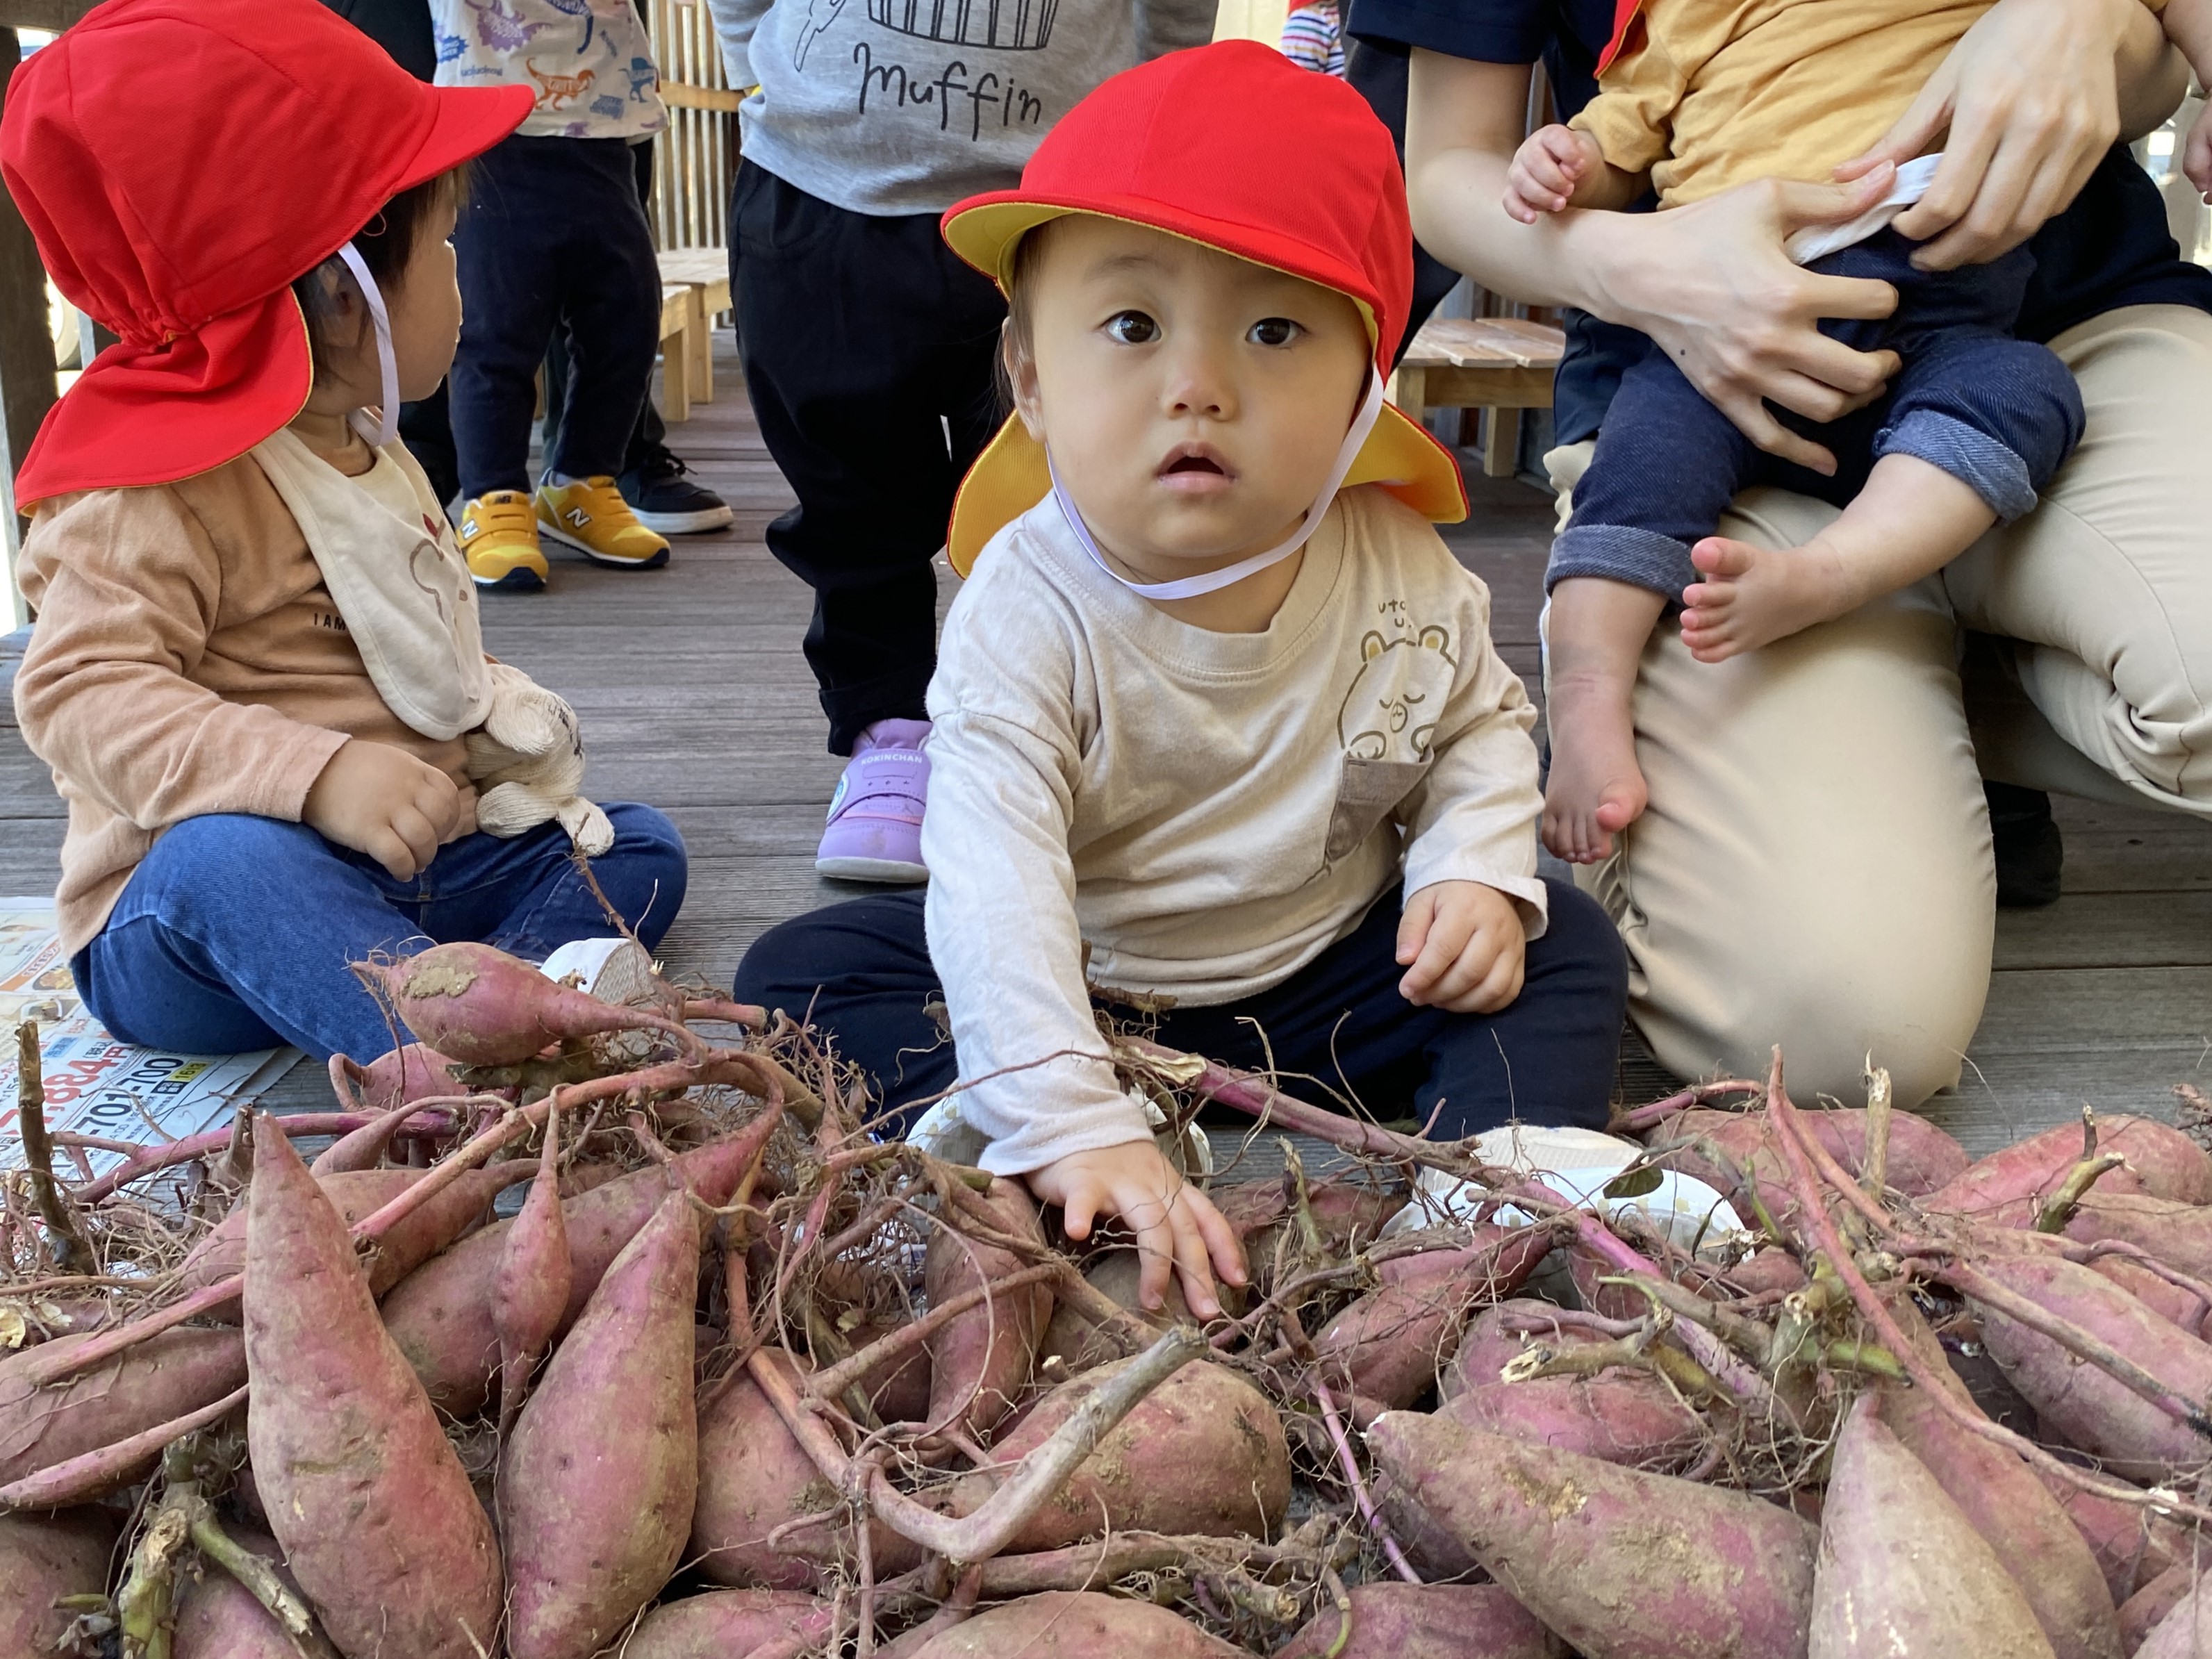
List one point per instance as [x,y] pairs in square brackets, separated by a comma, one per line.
[1207,812]
[187,660]
[1710,93]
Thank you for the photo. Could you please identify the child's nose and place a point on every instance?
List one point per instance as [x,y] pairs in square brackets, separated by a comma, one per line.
[1199,384]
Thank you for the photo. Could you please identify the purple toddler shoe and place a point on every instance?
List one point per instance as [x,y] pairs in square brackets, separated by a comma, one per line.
[874,832]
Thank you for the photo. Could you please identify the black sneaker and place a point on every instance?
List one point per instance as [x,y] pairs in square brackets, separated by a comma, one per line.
[2029,851]
[666,499]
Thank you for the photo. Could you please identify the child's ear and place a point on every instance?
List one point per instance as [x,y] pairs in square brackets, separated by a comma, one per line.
[1020,369]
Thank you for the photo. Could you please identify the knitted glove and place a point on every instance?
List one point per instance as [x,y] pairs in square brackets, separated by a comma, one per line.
[527,762]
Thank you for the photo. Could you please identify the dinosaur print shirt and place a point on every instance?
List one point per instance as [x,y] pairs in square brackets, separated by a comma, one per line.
[886,107]
[590,62]
[1123,802]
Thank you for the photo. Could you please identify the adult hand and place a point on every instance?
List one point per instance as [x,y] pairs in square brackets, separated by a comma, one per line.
[1178,1228]
[1463,948]
[2031,98]
[1709,282]
[380,800]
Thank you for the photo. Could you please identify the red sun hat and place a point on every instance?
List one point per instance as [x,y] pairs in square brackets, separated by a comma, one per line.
[180,162]
[1234,146]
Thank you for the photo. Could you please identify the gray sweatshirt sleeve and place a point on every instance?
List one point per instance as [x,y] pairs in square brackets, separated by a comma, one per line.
[1166,26]
[735,21]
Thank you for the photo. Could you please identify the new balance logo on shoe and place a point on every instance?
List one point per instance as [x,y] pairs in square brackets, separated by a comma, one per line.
[577,517]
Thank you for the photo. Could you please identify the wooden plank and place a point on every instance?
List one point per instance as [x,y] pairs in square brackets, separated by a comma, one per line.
[676,95]
[1471,386]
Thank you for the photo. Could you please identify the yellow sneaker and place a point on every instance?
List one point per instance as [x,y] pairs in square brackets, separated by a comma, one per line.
[499,538]
[591,516]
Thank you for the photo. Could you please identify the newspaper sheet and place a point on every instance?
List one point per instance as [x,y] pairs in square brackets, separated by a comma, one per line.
[96,1086]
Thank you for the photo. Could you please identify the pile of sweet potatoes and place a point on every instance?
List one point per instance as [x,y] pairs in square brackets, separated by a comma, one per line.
[735,1378]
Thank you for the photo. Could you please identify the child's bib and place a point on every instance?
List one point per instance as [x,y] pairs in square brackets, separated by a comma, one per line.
[397,577]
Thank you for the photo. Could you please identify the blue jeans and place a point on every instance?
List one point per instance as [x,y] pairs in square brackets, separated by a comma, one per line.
[234,931]
[860,971]
[1998,413]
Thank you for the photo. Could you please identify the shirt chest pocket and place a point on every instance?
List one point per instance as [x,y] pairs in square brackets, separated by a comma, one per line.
[1370,792]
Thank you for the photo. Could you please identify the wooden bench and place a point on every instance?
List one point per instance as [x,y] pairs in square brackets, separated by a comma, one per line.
[1502,364]
[678,330]
[704,274]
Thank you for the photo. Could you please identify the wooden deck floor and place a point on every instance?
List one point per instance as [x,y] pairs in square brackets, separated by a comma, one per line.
[694,697]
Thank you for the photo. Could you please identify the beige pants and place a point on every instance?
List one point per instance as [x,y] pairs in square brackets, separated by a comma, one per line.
[1814,869]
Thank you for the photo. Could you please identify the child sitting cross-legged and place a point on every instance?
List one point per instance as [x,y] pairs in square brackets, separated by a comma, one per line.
[257,671]
[1220,735]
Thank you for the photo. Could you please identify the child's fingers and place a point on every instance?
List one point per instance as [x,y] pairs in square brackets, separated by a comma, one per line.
[1446,937]
[1223,1246]
[1157,1257]
[1078,1209]
[1566,147]
[1192,1260]
[1413,925]
[1499,986]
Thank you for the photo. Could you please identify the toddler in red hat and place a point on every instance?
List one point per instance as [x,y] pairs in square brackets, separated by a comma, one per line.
[1221,744]
[256,670]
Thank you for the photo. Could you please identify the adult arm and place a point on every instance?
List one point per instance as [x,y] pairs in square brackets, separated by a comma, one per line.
[2031,100]
[1709,282]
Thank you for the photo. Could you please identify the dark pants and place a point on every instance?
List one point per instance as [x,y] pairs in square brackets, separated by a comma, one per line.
[651,433]
[869,351]
[1998,413]
[1378,71]
[234,931]
[552,237]
[860,972]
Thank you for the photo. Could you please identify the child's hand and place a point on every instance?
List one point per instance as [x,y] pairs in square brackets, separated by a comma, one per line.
[381,801]
[2196,152]
[1466,947]
[1178,1228]
[1551,162]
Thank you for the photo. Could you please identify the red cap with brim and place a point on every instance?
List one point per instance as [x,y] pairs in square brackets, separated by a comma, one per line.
[283,132]
[1234,147]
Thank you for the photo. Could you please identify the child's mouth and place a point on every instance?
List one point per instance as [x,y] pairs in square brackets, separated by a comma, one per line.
[1194,461]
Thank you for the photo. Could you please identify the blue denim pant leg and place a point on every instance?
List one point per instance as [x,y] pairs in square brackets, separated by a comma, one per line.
[860,971]
[234,931]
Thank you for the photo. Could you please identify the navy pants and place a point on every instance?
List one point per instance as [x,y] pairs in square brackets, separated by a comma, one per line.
[234,931]
[870,350]
[860,971]
[552,237]
[1998,413]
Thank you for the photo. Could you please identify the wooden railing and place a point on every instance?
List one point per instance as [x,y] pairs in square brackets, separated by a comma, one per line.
[695,161]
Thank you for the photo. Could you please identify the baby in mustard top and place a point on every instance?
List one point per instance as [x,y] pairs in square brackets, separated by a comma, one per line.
[1696,97]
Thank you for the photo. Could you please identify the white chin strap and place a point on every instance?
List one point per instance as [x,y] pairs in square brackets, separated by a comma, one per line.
[382,430]
[1190,587]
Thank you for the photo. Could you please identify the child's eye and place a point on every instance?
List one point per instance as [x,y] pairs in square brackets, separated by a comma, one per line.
[1131,328]
[1273,331]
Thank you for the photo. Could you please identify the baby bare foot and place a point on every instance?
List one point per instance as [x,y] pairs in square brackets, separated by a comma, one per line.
[1753,596]
[1596,789]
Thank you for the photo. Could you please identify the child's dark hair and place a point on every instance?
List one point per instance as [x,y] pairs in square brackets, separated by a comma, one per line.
[385,244]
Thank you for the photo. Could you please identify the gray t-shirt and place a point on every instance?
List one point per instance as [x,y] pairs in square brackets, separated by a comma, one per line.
[888,107]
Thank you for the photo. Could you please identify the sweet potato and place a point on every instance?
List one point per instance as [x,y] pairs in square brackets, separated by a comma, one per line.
[1921,1158]
[1389,1344]
[530,1288]
[1617,1416]
[218,1617]
[1203,1452]
[728,1624]
[2132,1545]
[2170,1301]
[358,1194]
[980,1361]
[44,1558]
[1622,1564]
[483,1008]
[1492,1340]
[413,1071]
[2146,1610]
[597,1480]
[1901,1570]
[173,1374]
[2185,1632]
[1074,1625]
[2013,1511]
[2007,1189]
[2080,1402]
[1069,1335]
[897,1388]
[754,1478]
[1348,1210]
[442,1314]
[360,1488]
[2179,1235]
[1391,1620]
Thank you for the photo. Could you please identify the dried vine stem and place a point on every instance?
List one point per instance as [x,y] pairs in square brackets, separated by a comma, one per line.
[72,1254]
